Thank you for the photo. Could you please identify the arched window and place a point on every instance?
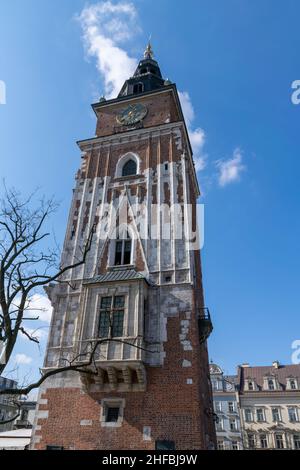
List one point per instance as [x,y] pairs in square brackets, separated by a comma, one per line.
[129,168]
[123,250]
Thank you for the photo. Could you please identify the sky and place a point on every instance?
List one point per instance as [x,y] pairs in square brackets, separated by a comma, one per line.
[234,63]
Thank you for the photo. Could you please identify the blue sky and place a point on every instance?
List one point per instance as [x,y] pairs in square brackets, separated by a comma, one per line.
[236,60]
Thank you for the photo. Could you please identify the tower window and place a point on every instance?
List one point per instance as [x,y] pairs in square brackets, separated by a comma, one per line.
[111,318]
[129,168]
[138,88]
[123,251]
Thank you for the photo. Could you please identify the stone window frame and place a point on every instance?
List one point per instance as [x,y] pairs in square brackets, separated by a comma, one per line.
[296,438]
[251,415]
[111,403]
[218,406]
[220,427]
[253,387]
[268,379]
[251,438]
[279,414]
[295,408]
[220,444]
[233,425]
[231,406]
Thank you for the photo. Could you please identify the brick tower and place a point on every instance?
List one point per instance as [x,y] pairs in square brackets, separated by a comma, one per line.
[138,298]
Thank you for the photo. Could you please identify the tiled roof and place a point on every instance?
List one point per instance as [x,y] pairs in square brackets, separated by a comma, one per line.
[259,372]
[116,275]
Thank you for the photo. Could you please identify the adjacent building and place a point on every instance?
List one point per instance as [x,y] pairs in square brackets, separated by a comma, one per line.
[226,409]
[269,400]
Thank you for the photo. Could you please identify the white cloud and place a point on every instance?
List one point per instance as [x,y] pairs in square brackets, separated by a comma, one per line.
[22,359]
[197,135]
[230,170]
[105,26]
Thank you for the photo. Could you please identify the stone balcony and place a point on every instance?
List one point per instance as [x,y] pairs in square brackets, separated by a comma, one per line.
[122,376]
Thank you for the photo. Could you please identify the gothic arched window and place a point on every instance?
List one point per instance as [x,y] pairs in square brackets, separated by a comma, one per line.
[123,250]
[129,168]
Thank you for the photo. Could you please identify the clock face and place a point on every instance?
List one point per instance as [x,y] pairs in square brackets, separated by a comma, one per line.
[132,114]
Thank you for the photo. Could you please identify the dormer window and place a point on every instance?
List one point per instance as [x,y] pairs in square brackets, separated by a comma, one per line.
[129,168]
[138,88]
[250,386]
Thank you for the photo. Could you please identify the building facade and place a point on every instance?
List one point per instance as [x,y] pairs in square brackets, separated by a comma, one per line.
[26,415]
[226,409]
[136,305]
[269,398]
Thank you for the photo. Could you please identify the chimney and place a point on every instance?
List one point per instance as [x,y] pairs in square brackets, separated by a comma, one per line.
[246,364]
[276,364]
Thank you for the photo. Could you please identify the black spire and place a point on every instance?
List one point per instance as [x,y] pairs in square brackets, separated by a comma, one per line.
[147,76]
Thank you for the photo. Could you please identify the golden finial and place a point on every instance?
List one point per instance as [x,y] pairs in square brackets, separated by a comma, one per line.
[148,54]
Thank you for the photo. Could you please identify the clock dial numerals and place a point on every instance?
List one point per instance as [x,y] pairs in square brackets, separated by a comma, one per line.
[132,114]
